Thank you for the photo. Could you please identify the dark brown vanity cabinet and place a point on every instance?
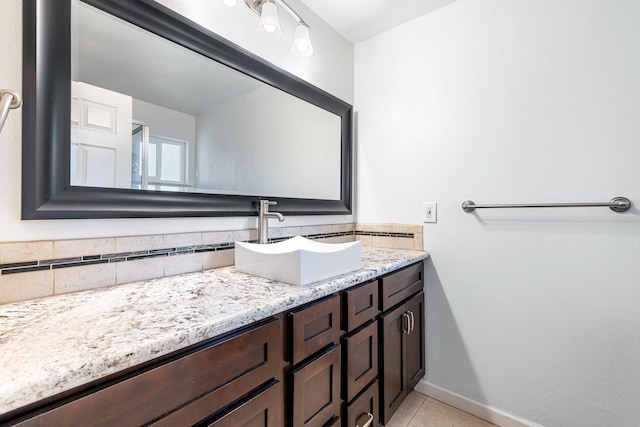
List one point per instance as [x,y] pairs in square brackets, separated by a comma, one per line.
[348,359]
[402,359]
[237,377]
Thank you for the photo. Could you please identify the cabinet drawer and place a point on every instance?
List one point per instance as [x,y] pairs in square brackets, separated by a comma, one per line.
[360,305]
[400,285]
[316,390]
[361,360]
[218,373]
[363,410]
[314,327]
[263,410]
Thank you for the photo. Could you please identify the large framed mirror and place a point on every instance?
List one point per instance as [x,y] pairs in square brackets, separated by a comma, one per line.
[132,110]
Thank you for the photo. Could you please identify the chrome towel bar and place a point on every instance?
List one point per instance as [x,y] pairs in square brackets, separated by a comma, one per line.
[8,99]
[617,204]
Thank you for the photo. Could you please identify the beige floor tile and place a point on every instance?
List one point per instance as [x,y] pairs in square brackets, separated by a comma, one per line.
[432,413]
[407,410]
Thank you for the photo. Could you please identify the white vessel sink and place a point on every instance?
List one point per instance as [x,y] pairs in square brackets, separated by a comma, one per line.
[298,261]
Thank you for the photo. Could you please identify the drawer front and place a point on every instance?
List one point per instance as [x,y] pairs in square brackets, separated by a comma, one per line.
[314,328]
[315,393]
[400,285]
[360,305]
[220,374]
[363,410]
[263,410]
[361,359]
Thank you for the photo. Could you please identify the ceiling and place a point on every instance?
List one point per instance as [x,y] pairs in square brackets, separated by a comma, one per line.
[358,20]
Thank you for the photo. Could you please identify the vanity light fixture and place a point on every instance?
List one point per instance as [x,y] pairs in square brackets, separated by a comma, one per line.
[301,45]
[269,25]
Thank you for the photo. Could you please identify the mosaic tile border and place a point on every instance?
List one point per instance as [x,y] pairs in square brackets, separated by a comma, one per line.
[85,260]
[384,234]
[54,264]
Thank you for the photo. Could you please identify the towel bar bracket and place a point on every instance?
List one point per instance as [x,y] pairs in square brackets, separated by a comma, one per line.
[8,100]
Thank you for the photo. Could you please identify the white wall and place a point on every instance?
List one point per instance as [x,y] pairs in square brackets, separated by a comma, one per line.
[330,68]
[534,312]
[272,155]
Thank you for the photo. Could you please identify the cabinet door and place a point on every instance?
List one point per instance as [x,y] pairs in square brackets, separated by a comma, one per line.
[263,410]
[361,359]
[415,341]
[392,329]
[316,390]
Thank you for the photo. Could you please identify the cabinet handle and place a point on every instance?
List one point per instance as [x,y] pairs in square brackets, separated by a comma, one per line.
[406,323]
[369,421]
[412,321]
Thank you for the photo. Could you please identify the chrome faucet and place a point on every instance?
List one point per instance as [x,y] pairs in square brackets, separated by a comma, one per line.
[263,219]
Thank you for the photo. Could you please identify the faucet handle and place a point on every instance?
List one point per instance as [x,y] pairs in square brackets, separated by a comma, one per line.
[265,203]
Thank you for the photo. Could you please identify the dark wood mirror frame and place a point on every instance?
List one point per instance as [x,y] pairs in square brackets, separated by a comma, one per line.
[46,189]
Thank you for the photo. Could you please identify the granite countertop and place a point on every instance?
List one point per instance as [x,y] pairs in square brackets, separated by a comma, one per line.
[54,344]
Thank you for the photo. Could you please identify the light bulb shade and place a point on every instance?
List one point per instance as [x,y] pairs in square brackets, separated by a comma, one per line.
[231,7]
[269,26]
[301,46]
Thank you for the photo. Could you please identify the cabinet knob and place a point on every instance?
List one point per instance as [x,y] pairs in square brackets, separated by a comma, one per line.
[369,420]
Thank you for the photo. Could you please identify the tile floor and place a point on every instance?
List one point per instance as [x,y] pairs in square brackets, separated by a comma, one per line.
[419,410]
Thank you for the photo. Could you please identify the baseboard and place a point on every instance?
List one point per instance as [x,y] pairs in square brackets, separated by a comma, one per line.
[472,407]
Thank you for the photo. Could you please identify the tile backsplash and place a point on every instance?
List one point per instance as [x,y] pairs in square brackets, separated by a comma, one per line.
[43,268]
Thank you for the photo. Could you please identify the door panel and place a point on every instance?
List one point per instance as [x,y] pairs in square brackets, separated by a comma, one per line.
[101,133]
[415,342]
[392,362]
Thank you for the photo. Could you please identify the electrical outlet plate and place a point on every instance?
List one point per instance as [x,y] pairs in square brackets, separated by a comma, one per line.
[430,212]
